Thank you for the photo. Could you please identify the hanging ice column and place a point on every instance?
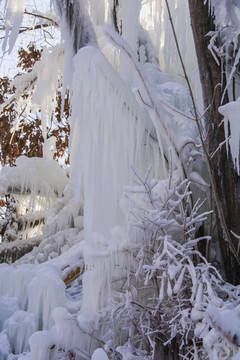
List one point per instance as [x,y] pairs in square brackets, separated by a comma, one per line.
[108,130]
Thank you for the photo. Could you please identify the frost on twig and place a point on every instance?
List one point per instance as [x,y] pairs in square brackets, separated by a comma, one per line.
[168,298]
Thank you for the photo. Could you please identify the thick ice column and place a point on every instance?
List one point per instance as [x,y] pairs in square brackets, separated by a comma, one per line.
[108,129]
[19,327]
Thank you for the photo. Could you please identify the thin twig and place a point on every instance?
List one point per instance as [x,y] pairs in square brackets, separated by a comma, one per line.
[219,147]
[42,17]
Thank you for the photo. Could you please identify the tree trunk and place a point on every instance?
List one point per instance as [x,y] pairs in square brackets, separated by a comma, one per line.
[168,352]
[227,182]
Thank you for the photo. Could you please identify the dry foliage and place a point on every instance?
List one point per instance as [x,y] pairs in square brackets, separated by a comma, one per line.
[27,139]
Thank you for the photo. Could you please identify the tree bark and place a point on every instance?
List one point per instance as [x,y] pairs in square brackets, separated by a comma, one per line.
[227,181]
[169,352]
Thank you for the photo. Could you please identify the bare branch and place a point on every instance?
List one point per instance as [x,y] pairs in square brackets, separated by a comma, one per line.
[40,16]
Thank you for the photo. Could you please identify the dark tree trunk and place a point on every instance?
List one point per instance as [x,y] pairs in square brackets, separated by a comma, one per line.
[169,352]
[227,182]
[81,32]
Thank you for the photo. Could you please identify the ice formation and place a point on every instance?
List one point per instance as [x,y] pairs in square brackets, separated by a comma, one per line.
[230,111]
[125,112]
[34,184]
[13,20]
[38,289]
[43,346]
[99,354]
[33,292]
[8,306]
[34,176]
[226,51]
[18,328]
[154,18]
[108,130]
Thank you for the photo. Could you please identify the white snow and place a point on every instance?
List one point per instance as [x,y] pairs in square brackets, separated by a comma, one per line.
[43,346]
[39,289]
[225,320]
[99,354]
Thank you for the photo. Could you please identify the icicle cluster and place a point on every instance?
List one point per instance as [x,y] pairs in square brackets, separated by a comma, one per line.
[230,111]
[154,18]
[108,130]
[33,177]
[13,21]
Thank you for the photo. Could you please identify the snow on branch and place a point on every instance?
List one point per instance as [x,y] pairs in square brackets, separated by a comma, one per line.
[160,111]
[174,287]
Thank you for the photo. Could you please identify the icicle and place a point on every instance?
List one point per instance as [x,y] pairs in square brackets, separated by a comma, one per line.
[169,289]
[230,111]
[39,289]
[154,19]
[107,138]
[77,31]
[97,11]
[130,11]
[162,288]
[43,180]
[47,72]
[13,20]
[19,327]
